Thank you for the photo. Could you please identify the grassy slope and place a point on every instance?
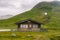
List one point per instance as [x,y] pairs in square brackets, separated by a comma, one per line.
[33,14]
[37,14]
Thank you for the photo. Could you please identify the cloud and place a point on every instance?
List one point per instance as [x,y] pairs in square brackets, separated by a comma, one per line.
[16,6]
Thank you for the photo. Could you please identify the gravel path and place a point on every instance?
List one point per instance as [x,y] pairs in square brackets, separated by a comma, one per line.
[5,30]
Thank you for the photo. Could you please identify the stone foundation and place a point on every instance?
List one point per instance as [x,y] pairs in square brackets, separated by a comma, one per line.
[33,29]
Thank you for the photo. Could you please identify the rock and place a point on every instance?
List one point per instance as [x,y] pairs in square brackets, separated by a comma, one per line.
[13,35]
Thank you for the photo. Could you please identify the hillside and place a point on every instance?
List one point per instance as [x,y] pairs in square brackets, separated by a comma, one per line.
[52,20]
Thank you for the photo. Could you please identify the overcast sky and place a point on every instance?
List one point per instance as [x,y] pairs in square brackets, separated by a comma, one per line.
[17,6]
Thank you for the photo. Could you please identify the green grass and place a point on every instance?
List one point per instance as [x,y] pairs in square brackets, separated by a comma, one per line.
[34,35]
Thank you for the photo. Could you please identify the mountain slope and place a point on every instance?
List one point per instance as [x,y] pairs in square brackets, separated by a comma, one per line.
[37,13]
[5,17]
[53,9]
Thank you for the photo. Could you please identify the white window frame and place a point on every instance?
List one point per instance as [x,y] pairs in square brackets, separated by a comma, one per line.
[35,25]
[24,26]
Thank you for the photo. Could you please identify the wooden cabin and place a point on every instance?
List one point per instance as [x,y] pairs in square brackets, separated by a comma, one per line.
[28,24]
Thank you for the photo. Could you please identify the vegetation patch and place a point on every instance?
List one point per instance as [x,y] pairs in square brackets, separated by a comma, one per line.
[50,35]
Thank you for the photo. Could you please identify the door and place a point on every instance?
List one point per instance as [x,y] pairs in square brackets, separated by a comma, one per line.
[30,26]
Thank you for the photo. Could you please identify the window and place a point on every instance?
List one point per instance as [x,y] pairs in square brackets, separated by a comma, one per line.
[35,26]
[30,25]
[24,26]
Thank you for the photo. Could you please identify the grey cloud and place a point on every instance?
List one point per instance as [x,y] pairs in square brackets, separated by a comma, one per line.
[7,3]
[16,6]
